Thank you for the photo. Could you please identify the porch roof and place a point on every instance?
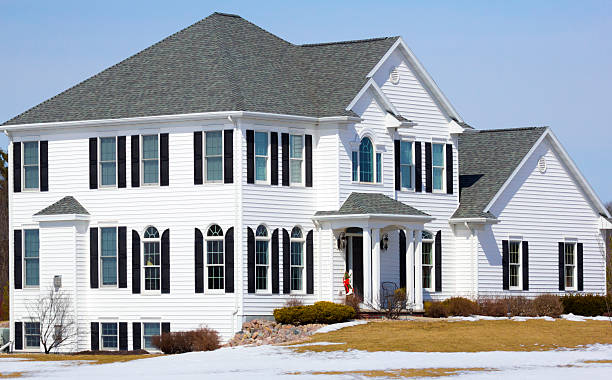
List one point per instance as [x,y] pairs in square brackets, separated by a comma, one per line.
[373,204]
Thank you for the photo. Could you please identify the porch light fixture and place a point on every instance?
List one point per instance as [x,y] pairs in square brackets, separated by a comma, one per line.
[384,242]
[341,241]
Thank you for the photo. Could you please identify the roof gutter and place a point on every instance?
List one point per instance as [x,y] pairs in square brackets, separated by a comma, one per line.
[473,220]
[61,218]
[416,218]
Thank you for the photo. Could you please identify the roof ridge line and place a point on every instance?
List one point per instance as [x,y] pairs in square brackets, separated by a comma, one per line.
[347,41]
[510,129]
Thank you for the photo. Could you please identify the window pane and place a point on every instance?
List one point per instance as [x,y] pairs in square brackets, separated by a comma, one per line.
[296,171]
[438,156]
[151,254]
[355,162]
[406,153]
[32,334]
[514,275]
[261,277]
[214,168]
[151,171]
[109,335]
[151,233]
[569,254]
[514,252]
[296,253]
[109,242]
[31,177]
[406,174]
[108,173]
[30,153]
[213,143]
[214,252]
[152,277]
[261,166]
[107,149]
[296,145]
[109,271]
[296,278]
[427,258]
[261,230]
[426,277]
[261,252]
[31,243]
[569,276]
[437,178]
[296,233]
[32,272]
[149,331]
[378,167]
[261,144]
[149,146]
[215,277]
[366,168]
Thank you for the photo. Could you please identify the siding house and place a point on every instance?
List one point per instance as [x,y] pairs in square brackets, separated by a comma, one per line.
[221,171]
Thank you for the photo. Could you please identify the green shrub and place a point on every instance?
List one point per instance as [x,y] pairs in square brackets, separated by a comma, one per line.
[435,309]
[321,312]
[546,305]
[588,305]
[460,306]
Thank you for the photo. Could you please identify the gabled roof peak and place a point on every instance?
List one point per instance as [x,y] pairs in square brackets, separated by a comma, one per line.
[65,206]
[226,14]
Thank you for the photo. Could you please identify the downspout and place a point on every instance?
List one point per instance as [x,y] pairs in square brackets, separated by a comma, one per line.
[238,298]
[11,284]
[474,252]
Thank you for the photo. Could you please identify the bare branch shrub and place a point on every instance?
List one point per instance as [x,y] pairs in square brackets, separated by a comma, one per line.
[52,312]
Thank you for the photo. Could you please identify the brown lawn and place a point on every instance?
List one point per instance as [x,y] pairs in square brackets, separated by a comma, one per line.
[90,359]
[462,336]
[402,373]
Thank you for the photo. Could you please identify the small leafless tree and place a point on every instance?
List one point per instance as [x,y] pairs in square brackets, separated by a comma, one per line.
[52,312]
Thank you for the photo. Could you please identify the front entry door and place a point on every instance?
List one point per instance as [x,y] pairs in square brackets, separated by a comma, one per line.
[357,252]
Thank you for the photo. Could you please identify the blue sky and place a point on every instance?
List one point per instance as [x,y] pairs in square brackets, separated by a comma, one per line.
[501,63]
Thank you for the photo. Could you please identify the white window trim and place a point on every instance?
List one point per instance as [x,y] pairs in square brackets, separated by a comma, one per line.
[23,166]
[100,273]
[25,340]
[142,336]
[100,163]
[301,240]
[23,259]
[268,289]
[432,276]
[267,181]
[374,168]
[101,345]
[574,243]
[520,264]
[143,266]
[142,160]
[412,166]
[207,238]
[443,189]
[302,181]
[204,156]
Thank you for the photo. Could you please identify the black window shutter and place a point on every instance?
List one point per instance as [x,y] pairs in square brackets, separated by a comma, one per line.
[93,257]
[199,261]
[135,262]
[123,336]
[19,335]
[93,163]
[197,158]
[286,263]
[165,327]
[122,253]
[402,258]
[135,146]
[285,158]
[505,264]
[438,261]
[95,336]
[44,166]
[274,158]
[250,260]
[121,162]
[250,140]
[136,342]
[309,263]
[580,269]
[418,167]
[525,265]
[561,266]
[228,156]
[17,254]
[449,168]
[165,262]
[308,139]
[275,263]
[16,167]
[164,154]
[396,161]
[428,168]
[229,260]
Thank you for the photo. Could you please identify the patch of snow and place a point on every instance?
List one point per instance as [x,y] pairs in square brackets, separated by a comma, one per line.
[581,318]
[338,326]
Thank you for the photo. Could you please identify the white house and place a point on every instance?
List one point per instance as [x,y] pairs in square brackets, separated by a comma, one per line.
[223,170]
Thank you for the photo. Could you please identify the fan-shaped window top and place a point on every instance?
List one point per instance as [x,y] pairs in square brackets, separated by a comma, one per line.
[262,231]
[426,235]
[151,233]
[296,233]
[214,230]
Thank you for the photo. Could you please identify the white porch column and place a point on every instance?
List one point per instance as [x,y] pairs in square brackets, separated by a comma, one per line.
[367,267]
[376,267]
[409,265]
[418,271]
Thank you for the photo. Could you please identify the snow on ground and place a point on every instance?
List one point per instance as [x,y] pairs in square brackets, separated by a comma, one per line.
[567,317]
[580,318]
[338,326]
[278,362]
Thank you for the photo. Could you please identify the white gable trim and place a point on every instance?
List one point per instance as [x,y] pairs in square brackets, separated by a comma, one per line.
[422,74]
[567,160]
[604,224]
[381,97]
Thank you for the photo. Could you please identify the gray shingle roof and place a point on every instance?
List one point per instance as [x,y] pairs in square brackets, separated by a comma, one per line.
[66,205]
[373,203]
[486,160]
[221,63]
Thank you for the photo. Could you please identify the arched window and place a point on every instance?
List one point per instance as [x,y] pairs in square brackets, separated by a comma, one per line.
[151,259]
[214,258]
[297,260]
[262,259]
[366,160]
[428,259]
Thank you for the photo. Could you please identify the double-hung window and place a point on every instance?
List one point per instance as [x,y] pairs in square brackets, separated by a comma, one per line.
[366,164]
[297,260]
[406,164]
[514,263]
[214,156]
[108,256]
[428,259]
[30,165]
[570,266]
[149,330]
[109,337]
[31,258]
[150,159]
[438,166]
[151,260]
[32,334]
[108,161]
[296,159]
[262,259]
[261,157]
[214,258]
